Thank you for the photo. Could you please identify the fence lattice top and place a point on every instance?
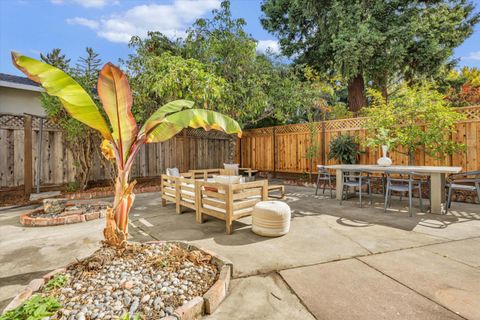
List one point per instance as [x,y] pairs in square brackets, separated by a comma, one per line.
[472,114]
[16,122]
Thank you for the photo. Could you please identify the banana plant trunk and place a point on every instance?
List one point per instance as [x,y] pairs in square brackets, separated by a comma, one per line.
[116,230]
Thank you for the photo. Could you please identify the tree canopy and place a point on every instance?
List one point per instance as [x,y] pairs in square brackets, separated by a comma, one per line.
[374,41]
[218,67]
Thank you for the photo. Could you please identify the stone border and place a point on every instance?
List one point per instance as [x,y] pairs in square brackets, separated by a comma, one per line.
[74,216]
[192,310]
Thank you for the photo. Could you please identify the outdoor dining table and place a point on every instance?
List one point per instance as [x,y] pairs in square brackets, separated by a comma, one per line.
[437,178]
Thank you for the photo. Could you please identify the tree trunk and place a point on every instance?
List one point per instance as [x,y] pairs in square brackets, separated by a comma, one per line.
[232,148]
[411,158]
[356,93]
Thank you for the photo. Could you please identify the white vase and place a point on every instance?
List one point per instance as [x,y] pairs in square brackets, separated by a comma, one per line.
[384,161]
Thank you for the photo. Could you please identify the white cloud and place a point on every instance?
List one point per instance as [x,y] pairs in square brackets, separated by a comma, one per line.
[265,45]
[170,19]
[474,56]
[92,24]
[87,3]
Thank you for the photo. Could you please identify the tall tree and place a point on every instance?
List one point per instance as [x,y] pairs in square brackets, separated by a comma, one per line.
[370,39]
[57,59]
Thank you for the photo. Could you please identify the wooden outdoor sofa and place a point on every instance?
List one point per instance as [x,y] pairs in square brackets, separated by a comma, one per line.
[228,202]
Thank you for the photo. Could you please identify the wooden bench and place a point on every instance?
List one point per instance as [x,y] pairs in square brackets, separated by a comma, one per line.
[228,202]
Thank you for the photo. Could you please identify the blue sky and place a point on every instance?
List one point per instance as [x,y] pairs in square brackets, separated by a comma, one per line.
[34,26]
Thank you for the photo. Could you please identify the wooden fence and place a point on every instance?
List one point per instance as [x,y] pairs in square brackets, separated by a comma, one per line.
[19,135]
[284,148]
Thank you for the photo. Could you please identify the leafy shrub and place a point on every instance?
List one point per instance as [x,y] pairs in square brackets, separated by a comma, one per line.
[415,118]
[73,186]
[57,281]
[35,308]
[345,149]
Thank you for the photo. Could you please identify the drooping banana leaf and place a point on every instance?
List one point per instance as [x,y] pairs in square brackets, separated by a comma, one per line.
[193,118]
[74,98]
[114,92]
[161,113]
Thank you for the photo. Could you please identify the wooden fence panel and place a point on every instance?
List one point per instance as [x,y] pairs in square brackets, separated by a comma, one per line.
[292,141]
[192,149]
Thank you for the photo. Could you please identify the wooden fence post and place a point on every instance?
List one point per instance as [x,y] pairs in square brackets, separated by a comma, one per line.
[324,156]
[274,151]
[186,151]
[27,155]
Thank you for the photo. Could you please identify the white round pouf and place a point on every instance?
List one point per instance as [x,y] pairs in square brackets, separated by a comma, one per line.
[271,218]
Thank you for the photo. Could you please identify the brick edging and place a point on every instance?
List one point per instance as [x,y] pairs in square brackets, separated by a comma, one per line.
[73,217]
[192,310]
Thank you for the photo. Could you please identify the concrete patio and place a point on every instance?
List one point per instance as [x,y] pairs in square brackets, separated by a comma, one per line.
[337,262]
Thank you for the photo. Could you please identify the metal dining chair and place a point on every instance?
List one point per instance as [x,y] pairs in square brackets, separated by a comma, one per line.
[404,183]
[356,179]
[324,175]
[464,181]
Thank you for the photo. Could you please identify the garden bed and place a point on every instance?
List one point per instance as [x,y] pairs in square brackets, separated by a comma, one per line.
[97,189]
[73,213]
[155,280]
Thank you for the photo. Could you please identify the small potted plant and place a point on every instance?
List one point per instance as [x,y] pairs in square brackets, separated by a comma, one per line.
[345,149]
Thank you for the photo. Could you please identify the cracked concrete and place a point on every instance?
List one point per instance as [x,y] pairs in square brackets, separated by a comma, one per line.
[337,262]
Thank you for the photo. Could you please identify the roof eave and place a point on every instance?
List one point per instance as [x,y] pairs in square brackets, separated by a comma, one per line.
[20,86]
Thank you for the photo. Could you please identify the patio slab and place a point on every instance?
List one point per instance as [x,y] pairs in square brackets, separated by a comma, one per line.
[367,235]
[448,282]
[260,297]
[349,289]
[28,253]
[466,251]
[321,232]
[309,241]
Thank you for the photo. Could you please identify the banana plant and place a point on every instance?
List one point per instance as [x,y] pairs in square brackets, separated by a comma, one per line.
[122,138]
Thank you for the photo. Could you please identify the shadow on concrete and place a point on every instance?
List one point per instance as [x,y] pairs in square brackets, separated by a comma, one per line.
[305,203]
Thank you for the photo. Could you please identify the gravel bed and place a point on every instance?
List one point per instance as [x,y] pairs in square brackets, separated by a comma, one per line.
[150,280]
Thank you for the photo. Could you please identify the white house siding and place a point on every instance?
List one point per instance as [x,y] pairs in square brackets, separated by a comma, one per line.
[20,101]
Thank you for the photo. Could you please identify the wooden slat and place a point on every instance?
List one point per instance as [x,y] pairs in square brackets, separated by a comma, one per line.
[216,204]
[245,203]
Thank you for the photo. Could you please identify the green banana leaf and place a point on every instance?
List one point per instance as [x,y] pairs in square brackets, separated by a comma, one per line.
[74,98]
[159,115]
[193,118]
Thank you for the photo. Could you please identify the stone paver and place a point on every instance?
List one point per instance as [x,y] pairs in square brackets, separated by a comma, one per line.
[445,281]
[350,289]
[260,297]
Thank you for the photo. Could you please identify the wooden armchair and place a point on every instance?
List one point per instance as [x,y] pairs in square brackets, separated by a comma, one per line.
[179,190]
[228,202]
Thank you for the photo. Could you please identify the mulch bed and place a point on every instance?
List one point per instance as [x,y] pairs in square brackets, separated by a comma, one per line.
[16,197]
